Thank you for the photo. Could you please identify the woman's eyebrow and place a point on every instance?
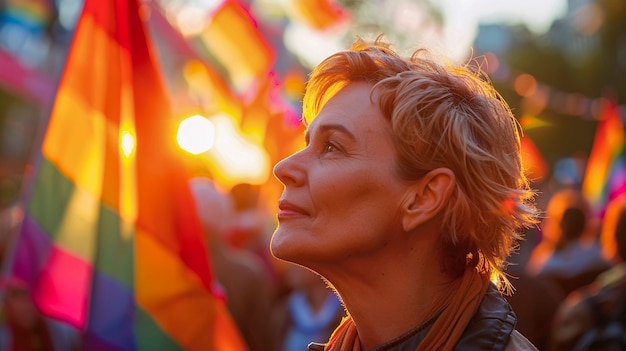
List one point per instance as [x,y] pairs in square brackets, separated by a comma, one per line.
[325,128]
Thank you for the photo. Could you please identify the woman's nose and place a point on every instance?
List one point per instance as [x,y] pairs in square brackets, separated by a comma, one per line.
[289,170]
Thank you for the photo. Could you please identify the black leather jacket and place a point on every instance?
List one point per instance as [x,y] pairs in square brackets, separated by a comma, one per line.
[491,326]
[489,329]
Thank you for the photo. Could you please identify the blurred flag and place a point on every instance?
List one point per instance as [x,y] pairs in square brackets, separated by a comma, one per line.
[534,164]
[24,81]
[257,108]
[111,242]
[23,26]
[30,15]
[319,14]
[203,82]
[605,173]
[233,37]
[284,135]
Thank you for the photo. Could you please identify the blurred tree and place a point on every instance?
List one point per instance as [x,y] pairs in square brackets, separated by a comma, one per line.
[580,59]
[609,65]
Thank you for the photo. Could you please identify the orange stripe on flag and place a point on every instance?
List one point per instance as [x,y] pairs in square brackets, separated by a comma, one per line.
[168,291]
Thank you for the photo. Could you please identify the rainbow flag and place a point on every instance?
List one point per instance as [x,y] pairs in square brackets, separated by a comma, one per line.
[605,173]
[111,242]
[31,16]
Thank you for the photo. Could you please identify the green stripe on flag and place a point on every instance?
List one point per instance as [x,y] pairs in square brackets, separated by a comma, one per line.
[150,336]
[51,194]
[115,250]
[67,213]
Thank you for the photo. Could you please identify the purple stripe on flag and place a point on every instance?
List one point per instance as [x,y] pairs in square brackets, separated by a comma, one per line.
[111,316]
[58,279]
[31,252]
[93,343]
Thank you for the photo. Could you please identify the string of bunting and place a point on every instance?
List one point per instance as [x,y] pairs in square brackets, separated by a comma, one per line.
[538,96]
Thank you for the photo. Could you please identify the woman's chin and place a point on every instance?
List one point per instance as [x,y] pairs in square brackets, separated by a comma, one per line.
[285,251]
[279,246]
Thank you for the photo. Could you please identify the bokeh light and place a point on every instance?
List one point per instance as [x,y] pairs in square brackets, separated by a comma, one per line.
[525,84]
[196,134]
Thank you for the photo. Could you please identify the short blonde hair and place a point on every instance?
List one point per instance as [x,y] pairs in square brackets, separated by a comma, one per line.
[444,116]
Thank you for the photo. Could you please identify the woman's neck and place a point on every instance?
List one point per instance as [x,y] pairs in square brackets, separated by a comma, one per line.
[387,298]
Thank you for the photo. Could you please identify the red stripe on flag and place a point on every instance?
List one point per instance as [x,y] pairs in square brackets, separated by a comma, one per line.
[63,287]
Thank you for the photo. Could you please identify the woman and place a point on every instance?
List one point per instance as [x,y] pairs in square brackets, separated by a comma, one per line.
[407,198]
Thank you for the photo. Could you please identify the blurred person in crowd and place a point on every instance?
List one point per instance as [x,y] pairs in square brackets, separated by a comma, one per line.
[569,253]
[534,315]
[550,233]
[10,218]
[23,328]
[604,300]
[408,198]
[253,225]
[249,226]
[309,312]
[246,285]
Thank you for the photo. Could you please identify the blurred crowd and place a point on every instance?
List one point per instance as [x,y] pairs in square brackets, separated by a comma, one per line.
[564,262]
[573,255]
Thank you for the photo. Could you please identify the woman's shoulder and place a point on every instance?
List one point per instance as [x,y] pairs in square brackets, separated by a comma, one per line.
[518,342]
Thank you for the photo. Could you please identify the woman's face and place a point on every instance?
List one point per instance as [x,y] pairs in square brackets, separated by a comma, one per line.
[342,195]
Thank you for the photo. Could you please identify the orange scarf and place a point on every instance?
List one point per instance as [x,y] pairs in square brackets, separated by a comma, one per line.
[462,304]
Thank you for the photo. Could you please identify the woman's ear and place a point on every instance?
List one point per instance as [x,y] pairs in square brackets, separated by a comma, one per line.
[427,197]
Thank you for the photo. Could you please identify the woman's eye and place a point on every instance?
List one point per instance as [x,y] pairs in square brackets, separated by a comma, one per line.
[329,147]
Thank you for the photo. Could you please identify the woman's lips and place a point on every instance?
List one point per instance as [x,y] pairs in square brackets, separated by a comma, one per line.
[290,210]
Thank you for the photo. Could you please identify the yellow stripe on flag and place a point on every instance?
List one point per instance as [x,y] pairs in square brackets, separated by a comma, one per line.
[176,299]
[78,230]
[65,146]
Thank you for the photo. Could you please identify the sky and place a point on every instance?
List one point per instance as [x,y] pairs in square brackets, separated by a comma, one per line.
[461,21]
[462,18]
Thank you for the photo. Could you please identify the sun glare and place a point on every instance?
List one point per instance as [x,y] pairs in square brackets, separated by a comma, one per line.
[237,159]
[196,134]
[127,143]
